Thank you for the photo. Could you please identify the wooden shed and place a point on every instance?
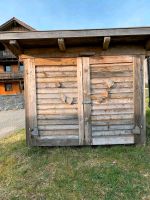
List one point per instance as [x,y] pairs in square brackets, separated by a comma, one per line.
[83,87]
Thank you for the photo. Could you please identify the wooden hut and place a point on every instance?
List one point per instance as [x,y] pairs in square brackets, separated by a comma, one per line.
[83,87]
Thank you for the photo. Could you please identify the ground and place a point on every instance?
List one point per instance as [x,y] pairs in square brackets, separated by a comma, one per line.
[90,173]
[11,121]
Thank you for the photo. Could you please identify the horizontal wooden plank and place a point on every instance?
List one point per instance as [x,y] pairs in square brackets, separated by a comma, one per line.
[57,85]
[120,67]
[112,122]
[55,74]
[112,90]
[57,96]
[112,140]
[112,117]
[57,106]
[116,85]
[69,116]
[113,101]
[113,106]
[58,122]
[112,111]
[59,132]
[111,133]
[58,79]
[113,127]
[114,79]
[111,74]
[56,68]
[57,111]
[56,90]
[115,96]
[111,59]
[55,61]
[52,101]
[57,127]
[57,141]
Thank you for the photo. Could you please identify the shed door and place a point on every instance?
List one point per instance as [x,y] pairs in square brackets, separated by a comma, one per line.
[108,100]
[58,109]
[80,101]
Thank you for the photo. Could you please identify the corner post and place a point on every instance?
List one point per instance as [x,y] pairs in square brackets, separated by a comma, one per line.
[30,99]
[139,98]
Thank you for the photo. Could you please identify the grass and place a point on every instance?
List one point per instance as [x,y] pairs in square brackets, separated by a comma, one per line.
[87,173]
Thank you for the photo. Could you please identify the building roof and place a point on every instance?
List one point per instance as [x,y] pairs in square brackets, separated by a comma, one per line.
[13,22]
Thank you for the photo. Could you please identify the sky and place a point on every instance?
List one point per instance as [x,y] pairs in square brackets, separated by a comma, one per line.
[77,14]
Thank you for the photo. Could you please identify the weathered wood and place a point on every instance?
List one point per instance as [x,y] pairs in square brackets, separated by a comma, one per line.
[112,67]
[110,140]
[57,116]
[115,79]
[80,100]
[58,122]
[57,68]
[112,117]
[76,33]
[56,80]
[16,46]
[52,101]
[57,111]
[60,133]
[55,61]
[56,74]
[30,99]
[111,133]
[53,96]
[139,105]
[113,127]
[57,127]
[110,59]
[61,44]
[57,85]
[106,42]
[57,141]
[111,74]
[57,90]
[112,106]
[112,111]
[86,99]
[112,122]
[57,106]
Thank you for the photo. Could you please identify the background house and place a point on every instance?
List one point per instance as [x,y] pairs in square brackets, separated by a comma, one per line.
[11,70]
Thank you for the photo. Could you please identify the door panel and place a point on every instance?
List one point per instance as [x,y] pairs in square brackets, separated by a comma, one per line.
[112,111]
[57,102]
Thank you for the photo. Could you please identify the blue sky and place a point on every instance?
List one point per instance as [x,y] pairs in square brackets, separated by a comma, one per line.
[77,14]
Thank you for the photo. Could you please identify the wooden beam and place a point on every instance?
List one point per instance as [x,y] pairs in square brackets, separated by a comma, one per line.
[106,42]
[141,31]
[61,44]
[147,45]
[15,46]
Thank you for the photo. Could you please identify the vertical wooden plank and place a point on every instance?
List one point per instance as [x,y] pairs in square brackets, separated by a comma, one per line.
[139,99]
[80,100]
[30,99]
[87,100]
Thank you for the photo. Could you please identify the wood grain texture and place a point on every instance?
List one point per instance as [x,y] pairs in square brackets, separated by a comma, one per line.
[80,100]
[30,99]
[139,98]
[87,100]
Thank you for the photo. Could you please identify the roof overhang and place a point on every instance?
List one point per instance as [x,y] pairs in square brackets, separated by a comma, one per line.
[71,38]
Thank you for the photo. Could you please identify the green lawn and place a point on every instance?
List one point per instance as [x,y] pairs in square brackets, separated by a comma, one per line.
[87,173]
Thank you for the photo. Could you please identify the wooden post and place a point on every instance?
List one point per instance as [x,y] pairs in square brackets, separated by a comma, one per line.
[30,99]
[139,99]
[87,100]
[80,100]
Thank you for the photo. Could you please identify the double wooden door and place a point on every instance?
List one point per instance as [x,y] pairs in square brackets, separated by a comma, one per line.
[85,101]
